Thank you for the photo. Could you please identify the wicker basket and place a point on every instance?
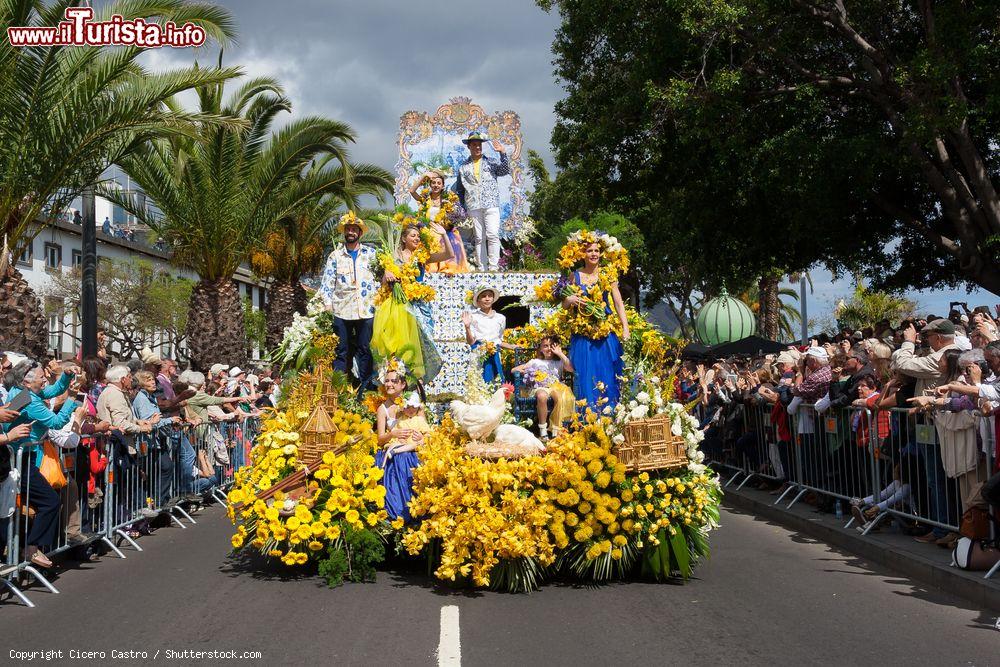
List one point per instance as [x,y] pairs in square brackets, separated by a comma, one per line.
[649,445]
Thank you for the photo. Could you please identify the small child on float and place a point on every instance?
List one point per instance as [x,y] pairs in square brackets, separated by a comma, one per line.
[485,326]
[401,426]
[542,374]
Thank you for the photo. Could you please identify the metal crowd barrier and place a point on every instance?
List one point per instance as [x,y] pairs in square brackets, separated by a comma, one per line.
[146,476]
[889,460]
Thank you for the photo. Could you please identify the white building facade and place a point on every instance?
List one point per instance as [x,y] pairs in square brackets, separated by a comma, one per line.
[58,249]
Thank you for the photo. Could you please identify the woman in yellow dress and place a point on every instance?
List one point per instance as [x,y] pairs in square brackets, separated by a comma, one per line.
[440,206]
[401,429]
[403,325]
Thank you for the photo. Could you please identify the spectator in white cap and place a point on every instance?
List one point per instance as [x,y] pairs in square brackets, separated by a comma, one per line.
[217,372]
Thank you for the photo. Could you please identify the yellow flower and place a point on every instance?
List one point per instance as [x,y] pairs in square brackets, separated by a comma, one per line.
[237,541]
[315,545]
[333,532]
[352,516]
[372,519]
[398,523]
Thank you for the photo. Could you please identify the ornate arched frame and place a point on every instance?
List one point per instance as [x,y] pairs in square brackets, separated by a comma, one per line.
[421,134]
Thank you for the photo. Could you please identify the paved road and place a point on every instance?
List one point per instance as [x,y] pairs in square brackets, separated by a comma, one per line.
[767,596]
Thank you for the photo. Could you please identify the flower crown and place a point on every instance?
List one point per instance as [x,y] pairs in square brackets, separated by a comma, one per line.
[404,219]
[614,255]
[443,172]
[351,218]
[391,365]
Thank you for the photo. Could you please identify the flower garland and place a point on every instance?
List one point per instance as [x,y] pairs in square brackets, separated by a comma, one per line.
[450,213]
[591,318]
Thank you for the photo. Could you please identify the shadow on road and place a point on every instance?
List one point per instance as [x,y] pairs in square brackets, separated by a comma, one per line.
[858,566]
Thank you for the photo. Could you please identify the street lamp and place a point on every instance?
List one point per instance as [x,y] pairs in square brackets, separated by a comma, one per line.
[88,262]
[803,309]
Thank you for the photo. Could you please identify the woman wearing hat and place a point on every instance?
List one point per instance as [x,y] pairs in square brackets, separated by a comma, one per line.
[440,206]
[479,192]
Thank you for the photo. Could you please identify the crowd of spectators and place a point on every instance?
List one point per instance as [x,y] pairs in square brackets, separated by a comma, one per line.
[921,398]
[150,422]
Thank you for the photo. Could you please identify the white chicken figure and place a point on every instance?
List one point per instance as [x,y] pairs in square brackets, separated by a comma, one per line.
[517,440]
[480,420]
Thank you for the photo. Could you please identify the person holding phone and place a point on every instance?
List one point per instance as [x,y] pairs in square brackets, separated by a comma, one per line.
[39,418]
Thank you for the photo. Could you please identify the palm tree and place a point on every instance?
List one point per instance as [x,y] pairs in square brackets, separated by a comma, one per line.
[69,113]
[294,246]
[221,190]
[788,315]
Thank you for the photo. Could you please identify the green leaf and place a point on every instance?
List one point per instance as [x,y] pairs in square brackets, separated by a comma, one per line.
[681,553]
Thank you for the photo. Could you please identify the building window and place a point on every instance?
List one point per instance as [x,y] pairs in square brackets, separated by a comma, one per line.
[53,256]
[77,258]
[25,257]
[55,331]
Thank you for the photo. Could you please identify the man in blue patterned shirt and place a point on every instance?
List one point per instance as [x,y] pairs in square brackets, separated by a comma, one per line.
[479,193]
[348,287]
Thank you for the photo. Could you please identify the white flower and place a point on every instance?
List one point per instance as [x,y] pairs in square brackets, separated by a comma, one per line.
[699,456]
[654,380]
[288,450]
[618,438]
[696,468]
[640,412]
[643,398]
[632,404]
[675,427]
[289,505]
[606,410]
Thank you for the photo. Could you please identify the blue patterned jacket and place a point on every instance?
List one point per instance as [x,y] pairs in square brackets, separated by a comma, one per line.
[484,192]
[348,287]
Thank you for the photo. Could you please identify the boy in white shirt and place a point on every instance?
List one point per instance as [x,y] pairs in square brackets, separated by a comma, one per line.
[484,327]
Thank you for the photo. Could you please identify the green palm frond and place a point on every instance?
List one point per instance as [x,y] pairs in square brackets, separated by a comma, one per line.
[68,113]
[222,190]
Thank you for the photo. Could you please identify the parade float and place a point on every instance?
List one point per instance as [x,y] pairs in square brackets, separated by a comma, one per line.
[620,492]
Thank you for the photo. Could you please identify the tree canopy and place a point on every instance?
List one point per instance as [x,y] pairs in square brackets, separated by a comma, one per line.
[747,138]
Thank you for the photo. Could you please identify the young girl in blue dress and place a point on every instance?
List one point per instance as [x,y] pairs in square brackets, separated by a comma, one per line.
[401,428]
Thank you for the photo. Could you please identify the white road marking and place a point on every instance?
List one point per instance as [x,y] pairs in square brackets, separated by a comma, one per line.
[449,645]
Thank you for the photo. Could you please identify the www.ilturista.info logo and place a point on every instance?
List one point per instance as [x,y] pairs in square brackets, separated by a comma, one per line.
[79,30]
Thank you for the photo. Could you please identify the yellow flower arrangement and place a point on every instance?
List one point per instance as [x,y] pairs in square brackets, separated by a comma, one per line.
[344,490]
[411,288]
[576,500]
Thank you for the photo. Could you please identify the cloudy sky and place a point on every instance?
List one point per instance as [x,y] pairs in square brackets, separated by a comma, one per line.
[367,62]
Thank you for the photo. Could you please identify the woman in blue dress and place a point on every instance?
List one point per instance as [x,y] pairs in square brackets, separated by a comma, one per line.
[401,429]
[597,361]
